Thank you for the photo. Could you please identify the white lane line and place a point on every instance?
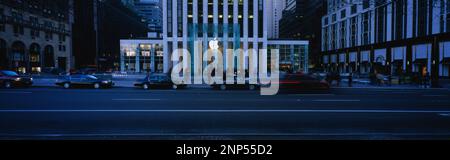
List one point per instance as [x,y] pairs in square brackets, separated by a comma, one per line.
[444,114]
[237,111]
[337,100]
[136,99]
[13,92]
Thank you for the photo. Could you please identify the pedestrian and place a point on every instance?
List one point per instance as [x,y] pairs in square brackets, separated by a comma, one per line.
[350,80]
[420,80]
[390,80]
[338,78]
[427,80]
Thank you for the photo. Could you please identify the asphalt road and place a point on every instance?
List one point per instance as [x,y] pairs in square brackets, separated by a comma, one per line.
[127,113]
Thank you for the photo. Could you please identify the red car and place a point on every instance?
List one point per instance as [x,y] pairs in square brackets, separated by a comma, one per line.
[302,82]
[10,79]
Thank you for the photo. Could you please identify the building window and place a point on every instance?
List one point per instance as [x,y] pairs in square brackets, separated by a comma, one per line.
[399,19]
[48,36]
[130,53]
[333,36]
[145,53]
[2,19]
[366,29]
[18,30]
[422,18]
[343,34]
[381,24]
[343,14]
[354,9]
[366,4]
[34,57]
[62,37]
[34,33]
[354,30]
[34,20]
[325,39]
[448,16]
[2,27]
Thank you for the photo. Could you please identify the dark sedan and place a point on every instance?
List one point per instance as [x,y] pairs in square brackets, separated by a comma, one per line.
[84,81]
[302,82]
[10,79]
[157,81]
[226,86]
[235,85]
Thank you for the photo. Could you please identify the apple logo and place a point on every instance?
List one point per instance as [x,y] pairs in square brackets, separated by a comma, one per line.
[214,44]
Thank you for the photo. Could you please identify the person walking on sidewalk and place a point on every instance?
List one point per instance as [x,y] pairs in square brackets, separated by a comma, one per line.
[426,80]
[390,80]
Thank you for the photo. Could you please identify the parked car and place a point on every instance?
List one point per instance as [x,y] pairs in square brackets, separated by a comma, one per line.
[157,81]
[10,79]
[84,81]
[226,86]
[302,82]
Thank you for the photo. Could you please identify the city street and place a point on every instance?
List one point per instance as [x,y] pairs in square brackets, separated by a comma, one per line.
[128,113]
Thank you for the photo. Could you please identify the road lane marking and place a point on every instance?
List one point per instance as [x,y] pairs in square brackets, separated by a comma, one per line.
[337,100]
[136,99]
[237,111]
[444,114]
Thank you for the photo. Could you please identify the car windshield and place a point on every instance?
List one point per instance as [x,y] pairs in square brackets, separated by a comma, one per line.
[10,73]
[154,78]
[91,77]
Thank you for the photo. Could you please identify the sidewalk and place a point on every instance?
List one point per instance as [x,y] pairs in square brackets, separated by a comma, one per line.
[344,84]
[128,81]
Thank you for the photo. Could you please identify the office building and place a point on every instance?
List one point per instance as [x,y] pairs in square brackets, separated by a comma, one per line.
[392,37]
[35,35]
[235,24]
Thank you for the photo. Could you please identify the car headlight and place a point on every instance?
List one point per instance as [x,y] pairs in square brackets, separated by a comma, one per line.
[105,82]
[31,79]
[18,79]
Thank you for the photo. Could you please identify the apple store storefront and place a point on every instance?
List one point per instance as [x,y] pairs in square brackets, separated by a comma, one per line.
[147,55]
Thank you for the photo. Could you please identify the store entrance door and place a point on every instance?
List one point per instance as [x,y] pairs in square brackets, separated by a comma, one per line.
[62,63]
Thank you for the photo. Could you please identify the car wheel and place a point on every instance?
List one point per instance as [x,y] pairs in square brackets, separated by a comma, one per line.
[66,85]
[174,87]
[146,87]
[96,85]
[223,87]
[8,85]
[252,87]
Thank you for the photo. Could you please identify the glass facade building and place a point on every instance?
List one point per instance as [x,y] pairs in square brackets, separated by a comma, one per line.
[235,24]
